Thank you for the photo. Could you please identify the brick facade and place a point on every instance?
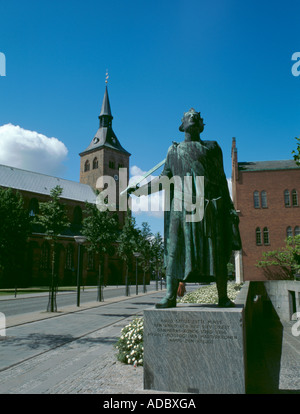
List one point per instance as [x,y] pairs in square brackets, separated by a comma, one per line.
[267,182]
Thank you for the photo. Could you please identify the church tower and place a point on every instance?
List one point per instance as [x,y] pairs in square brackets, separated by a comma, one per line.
[105,155]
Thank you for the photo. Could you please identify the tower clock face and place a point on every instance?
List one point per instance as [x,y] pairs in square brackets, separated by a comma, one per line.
[96,139]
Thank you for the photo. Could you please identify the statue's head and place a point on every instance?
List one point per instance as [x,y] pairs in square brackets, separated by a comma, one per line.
[192,122]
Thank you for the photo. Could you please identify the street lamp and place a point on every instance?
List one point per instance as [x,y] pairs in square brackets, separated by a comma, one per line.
[136,255]
[79,240]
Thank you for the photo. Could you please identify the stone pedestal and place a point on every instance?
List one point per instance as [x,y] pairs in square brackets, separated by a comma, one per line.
[195,349]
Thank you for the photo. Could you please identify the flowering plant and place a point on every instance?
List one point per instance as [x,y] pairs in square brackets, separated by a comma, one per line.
[209,294]
[130,344]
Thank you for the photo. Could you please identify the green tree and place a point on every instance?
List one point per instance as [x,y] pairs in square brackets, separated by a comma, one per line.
[101,230]
[14,232]
[145,249]
[297,152]
[53,220]
[128,243]
[283,263]
[157,250]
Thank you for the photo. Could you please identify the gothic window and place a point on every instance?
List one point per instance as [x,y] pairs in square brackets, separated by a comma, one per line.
[294,198]
[256,199]
[289,232]
[33,207]
[87,166]
[95,163]
[120,166]
[111,164]
[70,257]
[287,201]
[297,231]
[264,202]
[258,236]
[266,235]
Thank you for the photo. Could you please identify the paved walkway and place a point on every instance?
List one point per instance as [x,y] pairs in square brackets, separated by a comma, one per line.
[88,364]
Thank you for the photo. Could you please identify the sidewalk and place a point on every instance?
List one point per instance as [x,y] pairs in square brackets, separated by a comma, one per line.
[88,365]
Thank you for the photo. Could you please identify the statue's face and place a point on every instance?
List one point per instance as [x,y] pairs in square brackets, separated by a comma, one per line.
[192,122]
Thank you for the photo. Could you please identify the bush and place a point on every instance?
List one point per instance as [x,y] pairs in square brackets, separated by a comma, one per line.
[130,344]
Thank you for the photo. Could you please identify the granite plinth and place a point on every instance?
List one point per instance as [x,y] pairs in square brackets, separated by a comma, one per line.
[195,349]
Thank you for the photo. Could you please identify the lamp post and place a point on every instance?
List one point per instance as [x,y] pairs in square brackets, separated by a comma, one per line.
[136,255]
[79,240]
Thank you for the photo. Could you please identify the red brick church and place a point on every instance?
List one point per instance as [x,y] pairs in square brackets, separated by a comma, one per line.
[103,156]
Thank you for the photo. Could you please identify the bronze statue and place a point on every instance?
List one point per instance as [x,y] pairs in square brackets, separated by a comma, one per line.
[197,250]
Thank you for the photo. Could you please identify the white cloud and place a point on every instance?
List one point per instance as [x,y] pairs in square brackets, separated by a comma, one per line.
[30,150]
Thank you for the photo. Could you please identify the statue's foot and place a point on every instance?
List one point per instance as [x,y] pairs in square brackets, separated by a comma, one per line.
[166,303]
[226,303]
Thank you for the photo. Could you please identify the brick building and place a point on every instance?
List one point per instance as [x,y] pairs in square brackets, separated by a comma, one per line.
[104,156]
[266,197]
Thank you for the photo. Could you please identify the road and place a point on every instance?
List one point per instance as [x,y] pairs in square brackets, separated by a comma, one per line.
[30,340]
[22,304]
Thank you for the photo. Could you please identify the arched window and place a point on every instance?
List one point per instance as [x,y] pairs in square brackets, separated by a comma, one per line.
[258,236]
[256,199]
[95,163]
[287,200]
[297,231]
[266,235]
[70,257]
[33,207]
[87,166]
[294,198]
[264,202]
[289,232]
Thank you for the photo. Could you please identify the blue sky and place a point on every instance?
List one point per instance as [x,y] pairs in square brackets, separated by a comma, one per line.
[231,60]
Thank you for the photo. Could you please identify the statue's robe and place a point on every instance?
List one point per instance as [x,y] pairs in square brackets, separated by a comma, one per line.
[197,251]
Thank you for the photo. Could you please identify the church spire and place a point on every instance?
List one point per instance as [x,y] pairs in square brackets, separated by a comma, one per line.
[105,114]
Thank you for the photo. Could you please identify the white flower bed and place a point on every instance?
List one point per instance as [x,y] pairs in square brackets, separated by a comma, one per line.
[209,294]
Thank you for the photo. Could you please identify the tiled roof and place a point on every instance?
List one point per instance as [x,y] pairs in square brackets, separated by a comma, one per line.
[105,137]
[42,184]
[268,165]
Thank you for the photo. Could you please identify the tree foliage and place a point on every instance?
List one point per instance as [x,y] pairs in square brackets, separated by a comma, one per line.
[128,241]
[101,230]
[157,249]
[283,263]
[296,153]
[145,246]
[52,216]
[14,231]
[53,220]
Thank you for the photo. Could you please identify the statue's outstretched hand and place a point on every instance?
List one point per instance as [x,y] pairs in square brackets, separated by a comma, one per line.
[132,189]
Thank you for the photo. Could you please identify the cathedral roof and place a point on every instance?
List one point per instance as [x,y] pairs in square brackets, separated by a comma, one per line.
[23,180]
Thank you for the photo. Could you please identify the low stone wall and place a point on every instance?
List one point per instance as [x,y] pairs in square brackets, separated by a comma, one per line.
[285,297]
